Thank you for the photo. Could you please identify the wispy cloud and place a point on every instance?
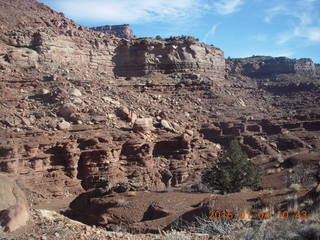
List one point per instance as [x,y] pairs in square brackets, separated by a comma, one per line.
[129,11]
[227,6]
[259,37]
[211,32]
[274,11]
[303,20]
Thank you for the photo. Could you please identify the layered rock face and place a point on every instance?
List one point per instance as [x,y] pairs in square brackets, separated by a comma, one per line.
[100,159]
[139,57]
[13,205]
[52,44]
[121,31]
[262,66]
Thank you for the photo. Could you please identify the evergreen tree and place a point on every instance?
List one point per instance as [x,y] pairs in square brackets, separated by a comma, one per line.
[233,171]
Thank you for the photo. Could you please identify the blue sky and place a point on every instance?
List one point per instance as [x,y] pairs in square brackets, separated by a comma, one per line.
[240,28]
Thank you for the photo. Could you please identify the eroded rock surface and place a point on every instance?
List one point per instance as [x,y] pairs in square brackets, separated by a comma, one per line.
[121,31]
[14,211]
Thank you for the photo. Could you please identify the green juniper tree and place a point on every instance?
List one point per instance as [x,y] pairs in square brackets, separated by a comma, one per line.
[233,171]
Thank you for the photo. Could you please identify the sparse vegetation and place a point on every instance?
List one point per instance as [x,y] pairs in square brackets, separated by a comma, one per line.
[175,235]
[120,229]
[3,235]
[214,227]
[198,187]
[122,202]
[303,175]
[280,230]
[309,232]
[233,171]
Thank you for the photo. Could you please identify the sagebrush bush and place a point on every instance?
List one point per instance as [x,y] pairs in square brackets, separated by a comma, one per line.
[198,187]
[233,171]
[214,227]
[175,235]
[310,232]
[280,230]
[122,202]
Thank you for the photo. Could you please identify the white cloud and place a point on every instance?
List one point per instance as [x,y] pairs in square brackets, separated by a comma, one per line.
[259,37]
[303,20]
[272,12]
[226,6]
[314,34]
[129,11]
[284,37]
[211,32]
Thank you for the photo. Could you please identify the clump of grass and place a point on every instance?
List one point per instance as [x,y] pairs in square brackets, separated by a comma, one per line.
[175,235]
[121,202]
[309,232]
[119,229]
[3,235]
[214,227]
[280,230]
[198,187]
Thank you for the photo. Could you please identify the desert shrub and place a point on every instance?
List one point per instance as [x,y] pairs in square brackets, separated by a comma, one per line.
[119,229]
[280,229]
[309,232]
[175,235]
[304,175]
[214,227]
[198,187]
[3,235]
[233,171]
[122,202]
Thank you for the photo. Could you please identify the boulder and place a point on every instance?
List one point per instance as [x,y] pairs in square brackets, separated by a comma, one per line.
[75,92]
[166,125]
[13,205]
[67,110]
[143,125]
[44,91]
[125,114]
[64,125]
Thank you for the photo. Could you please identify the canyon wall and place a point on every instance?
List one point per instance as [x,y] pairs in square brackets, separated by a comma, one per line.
[43,40]
[261,66]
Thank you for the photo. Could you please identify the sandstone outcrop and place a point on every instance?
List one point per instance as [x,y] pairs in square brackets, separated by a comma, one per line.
[261,66]
[60,46]
[121,31]
[101,160]
[139,57]
[143,125]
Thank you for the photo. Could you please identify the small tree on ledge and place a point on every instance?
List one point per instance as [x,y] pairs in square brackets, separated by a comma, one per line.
[233,172]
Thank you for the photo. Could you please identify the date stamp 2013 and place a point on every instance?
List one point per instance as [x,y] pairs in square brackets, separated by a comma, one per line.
[259,214]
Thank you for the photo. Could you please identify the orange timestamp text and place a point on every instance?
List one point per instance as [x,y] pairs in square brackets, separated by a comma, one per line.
[259,214]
